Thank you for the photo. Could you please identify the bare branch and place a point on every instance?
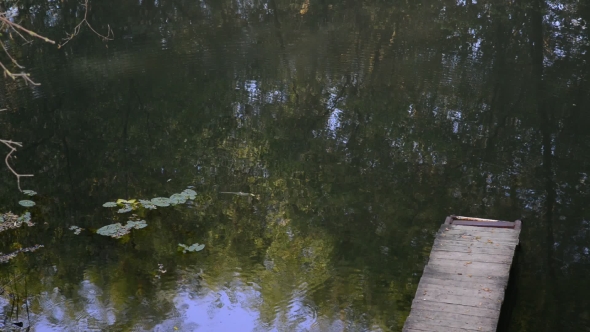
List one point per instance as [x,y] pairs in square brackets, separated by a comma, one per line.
[110,34]
[13,146]
[5,20]
[14,76]
[17,28]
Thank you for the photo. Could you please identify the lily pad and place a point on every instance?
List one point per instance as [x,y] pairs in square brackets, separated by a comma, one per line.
[193,248]
[161,201]
[125,209]
[113,230]
[137,224]
[189,193]
[177,199]
[30,192]
[147,204]
[110,204]
[26,203]
[117,230]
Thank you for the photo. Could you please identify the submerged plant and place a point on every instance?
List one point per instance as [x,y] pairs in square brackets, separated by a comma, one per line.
[29,192]
[7,257]
[193,248]
[11,221]
[110,204]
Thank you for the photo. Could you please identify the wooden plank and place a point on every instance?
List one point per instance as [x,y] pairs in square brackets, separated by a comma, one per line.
[466,256]
[441,241]
[474,268]
[454,320]
[476,219]
[479,294]
[466,298]
[478,239]
[477,229]
[498,224]
[467,283]
[481,230]
[456,308]
[432,326]
[490,250]
[451,274]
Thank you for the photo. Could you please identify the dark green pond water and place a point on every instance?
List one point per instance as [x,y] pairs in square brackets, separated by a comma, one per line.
[356,126]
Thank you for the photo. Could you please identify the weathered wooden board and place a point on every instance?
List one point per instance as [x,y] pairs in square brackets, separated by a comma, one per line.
[468,322]
[496,286]
[471,257]
[475,250]
[454,308]
[463,284]
[445,273]
[441,242]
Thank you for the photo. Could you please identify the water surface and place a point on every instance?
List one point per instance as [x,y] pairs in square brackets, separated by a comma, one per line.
[358,126]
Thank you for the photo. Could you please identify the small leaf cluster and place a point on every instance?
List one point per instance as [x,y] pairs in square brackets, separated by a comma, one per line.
[134,204]
[193,248]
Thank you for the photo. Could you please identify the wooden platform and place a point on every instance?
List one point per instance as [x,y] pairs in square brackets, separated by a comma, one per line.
[463,284]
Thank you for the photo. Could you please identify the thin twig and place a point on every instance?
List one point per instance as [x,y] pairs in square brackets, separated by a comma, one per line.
[10,56]
[13,146]
[110,34]
[14,76]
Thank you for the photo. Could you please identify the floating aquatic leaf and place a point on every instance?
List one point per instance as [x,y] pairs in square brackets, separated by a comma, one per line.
[26,203]
[121,201]
[161,201]
[137,224]
[30,192]
[177,199]
[147,204]
[117,230]
[189,193]
[109,204]
[193,248]
[76,229]
[125,209]
[113,230]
